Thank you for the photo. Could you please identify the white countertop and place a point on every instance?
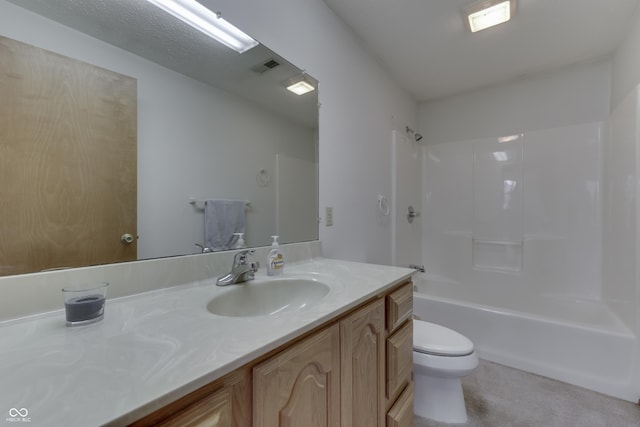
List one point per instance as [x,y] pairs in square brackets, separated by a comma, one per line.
[156,347]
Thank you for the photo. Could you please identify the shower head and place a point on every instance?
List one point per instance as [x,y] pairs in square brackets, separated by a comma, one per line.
[416,135]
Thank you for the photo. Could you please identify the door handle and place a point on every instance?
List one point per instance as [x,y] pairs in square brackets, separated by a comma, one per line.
[411,214]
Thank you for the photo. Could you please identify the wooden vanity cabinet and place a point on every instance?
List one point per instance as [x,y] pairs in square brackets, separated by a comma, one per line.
[226,402]
[362,340]
[300,386]
[399,347]
[352,372]
[401,413]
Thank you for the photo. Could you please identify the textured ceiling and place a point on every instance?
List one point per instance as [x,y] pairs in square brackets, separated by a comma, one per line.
[143,29]
[425,46]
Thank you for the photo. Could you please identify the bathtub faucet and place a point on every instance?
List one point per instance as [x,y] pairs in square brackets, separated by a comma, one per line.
[420,268]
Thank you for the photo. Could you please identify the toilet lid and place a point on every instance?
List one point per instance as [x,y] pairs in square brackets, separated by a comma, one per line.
[435,339]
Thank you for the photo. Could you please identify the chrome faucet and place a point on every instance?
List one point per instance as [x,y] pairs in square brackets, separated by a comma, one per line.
[203,249]
[241,271]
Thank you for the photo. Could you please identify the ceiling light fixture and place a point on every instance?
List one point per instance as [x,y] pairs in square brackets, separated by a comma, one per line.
[300,85]
[483,14]
[210,23]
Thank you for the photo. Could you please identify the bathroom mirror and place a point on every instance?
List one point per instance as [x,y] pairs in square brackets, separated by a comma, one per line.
[211,123]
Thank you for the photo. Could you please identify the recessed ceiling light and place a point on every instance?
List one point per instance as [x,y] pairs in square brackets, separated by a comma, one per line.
[488,13]
[301,84]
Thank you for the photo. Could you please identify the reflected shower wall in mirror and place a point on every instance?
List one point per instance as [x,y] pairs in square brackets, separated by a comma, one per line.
[211,123]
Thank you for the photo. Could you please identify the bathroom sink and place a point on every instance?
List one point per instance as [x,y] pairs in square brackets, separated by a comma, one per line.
[267,297]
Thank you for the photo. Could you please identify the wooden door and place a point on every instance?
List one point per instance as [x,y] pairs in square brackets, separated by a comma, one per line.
[300,387]
[68,166]
[362,338]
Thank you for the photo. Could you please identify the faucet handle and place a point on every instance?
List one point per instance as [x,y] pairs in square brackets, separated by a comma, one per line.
[241,257]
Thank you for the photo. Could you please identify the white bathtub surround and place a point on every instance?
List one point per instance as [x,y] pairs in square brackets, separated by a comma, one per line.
[582,343]
[521,214]
[154,348]
[536,253]
[620,212]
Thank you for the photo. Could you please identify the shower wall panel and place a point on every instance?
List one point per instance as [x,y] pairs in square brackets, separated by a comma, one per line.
[522,213]
[620,212]
[447,209]
[562,214]
[497,203]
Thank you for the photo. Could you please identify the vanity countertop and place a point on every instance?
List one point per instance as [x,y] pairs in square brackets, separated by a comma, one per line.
[156,347]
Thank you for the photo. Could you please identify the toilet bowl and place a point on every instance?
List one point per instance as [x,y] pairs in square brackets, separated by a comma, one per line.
[441,357]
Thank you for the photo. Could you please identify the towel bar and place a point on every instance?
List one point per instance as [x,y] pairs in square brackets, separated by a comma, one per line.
[199,203]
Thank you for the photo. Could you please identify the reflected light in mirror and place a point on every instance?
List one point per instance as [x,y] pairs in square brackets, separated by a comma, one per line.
[208,22]
[500,156]
[505,139]
[300,84]
[300,88]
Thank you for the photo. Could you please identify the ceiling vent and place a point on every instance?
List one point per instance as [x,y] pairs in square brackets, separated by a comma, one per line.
[266,66]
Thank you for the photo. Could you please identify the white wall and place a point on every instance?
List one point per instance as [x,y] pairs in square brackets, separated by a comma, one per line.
[191,138]
[626,64]
[573,95]
[361,106]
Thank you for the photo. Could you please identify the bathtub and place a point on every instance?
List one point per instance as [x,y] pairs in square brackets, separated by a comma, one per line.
[579,342]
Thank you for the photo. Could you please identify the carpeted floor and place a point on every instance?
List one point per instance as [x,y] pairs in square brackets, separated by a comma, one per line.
[498,396]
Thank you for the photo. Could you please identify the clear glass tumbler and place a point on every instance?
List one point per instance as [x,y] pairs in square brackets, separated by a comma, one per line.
[84,304]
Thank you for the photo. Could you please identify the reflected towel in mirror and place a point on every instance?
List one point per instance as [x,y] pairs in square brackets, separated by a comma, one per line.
[222,218]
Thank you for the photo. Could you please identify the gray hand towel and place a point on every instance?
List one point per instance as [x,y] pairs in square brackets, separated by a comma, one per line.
[222,218]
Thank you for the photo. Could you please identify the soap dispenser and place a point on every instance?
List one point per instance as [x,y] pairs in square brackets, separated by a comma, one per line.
[240,242]
[275,259]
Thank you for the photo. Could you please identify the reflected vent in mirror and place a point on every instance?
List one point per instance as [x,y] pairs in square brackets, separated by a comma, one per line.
[265,66]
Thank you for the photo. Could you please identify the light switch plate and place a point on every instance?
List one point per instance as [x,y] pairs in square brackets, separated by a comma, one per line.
[328,216]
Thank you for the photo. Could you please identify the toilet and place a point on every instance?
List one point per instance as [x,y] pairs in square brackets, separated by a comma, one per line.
[441,357]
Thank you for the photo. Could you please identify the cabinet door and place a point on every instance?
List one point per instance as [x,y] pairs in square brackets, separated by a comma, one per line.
[300,386]
[362,367]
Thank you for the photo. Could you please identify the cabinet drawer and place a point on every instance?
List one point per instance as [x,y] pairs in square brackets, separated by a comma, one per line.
[399,306]
[401,414]
[399,359]
[211,411]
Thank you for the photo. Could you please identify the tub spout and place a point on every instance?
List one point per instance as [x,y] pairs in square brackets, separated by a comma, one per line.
[420,268]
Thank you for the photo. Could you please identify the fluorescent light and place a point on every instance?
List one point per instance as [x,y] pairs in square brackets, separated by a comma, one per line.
[301,87]
[505,139]
[488,13]
[199,17]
